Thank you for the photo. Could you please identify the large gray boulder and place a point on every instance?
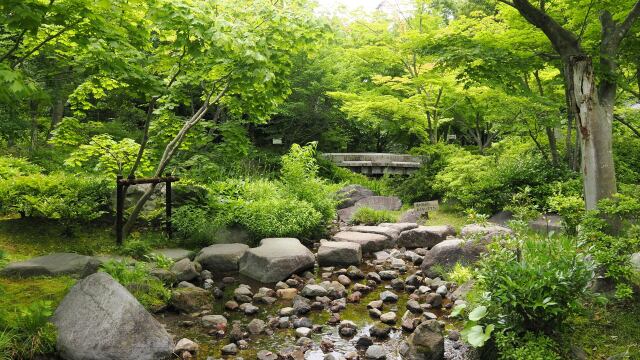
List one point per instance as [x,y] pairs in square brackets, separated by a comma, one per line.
[485,232]
[449,252]
[221,257]
[185,270]
[368,241]
[276,259]
[339,253]
[53,265]
[99,319]
[390,232]
[425,236]
[392,203]
[350,194]
[425,343]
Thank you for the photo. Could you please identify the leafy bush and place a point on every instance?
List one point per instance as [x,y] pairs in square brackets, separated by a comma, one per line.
[57,196]
[618,215]
[571,208]
[528,347]
[11,167]
[149,290]
[26,332]
[197,224]
[369,216]
[300,177]
[161,261]
[534,284]
[279,217]
[137,249]
[460,274]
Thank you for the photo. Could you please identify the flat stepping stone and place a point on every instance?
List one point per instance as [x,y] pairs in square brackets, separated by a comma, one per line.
[401,226]
[389,232]
[368,241]
[276,259]
[175,254]
[221,257]
[339,253]
[425,236]
[53,265]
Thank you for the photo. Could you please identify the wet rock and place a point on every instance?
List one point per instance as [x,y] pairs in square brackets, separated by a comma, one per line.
[388,296]
[231,305]
[326,345]
[435,300]
[53,265]
[281,285]
[303,332]
[381,255]
[228,280]
[380,331]
[339,253]
[425,343]
[185,344]
[214,321]
[388,318]
[190,299]
[276,259]
[442,290]
[312,291]
[376,352]
[266,355]
[287,294]
[414,306]
[369,242]
[249,309]
[355,273]
[344,280]
[453,335]
[374,276]
[425,236]
[364,342]
[347,328]
[230,349]
[256,326]
[388,274]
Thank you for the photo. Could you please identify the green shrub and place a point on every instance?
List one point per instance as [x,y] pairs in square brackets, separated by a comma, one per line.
[11,167]
[300,177]
[618,215]
[58,196]
[196,225]
[368,216]
[161,261]
[528,347]
[571,208]
[149,290]
[26,331]
[279,217]
[534,284]
[137,249]
[460,274]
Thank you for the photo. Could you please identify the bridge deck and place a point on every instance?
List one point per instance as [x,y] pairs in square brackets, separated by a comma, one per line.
[376,163]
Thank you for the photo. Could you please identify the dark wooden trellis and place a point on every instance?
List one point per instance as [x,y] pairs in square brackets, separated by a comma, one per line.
[122,183]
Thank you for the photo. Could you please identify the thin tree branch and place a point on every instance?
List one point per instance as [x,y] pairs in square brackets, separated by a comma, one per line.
[628,125]
[44,42]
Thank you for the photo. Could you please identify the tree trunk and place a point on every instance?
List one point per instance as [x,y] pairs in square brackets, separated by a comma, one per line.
[34,124]
[553,147]
[594,121]
[57,111]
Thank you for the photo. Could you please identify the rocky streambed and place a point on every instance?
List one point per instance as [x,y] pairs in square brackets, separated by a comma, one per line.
[383,308]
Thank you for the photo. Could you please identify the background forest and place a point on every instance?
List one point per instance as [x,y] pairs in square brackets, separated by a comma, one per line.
[93,89]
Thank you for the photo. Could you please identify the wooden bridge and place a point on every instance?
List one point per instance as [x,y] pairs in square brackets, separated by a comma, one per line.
[376,163]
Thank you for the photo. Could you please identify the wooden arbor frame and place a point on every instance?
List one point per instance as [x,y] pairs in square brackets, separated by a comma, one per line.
[122,184]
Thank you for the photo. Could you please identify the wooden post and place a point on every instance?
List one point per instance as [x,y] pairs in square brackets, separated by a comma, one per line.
[168,207]
[119,210]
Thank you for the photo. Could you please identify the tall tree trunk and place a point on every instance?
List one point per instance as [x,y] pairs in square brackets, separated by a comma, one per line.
[34,124]
[553,146]
[57,111]
[594,121]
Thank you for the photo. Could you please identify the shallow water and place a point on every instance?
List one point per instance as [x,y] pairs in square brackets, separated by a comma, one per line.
[284,338]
